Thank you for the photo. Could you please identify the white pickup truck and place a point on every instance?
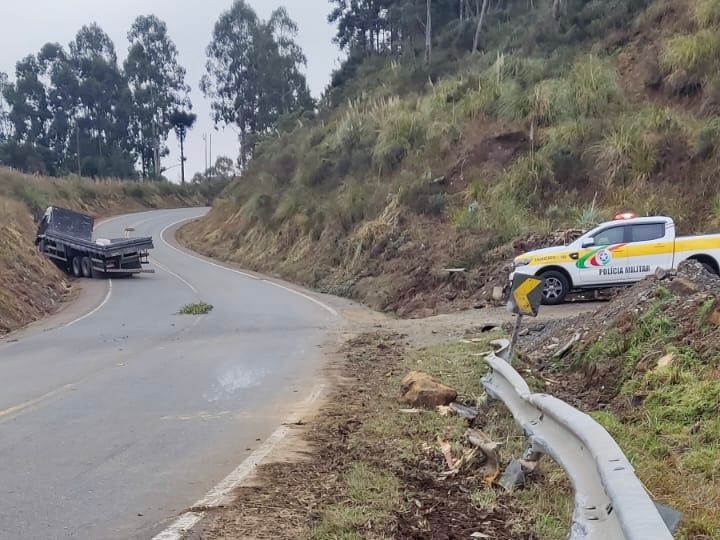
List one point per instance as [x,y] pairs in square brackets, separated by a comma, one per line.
[616,253]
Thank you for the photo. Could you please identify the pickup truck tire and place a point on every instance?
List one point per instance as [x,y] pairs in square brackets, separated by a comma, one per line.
[556,287]
[76,266]
[86,267]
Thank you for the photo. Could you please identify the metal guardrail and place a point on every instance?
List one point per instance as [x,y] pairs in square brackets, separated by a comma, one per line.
[610,501]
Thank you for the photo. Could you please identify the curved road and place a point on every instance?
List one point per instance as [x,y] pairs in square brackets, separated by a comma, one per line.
[112,425]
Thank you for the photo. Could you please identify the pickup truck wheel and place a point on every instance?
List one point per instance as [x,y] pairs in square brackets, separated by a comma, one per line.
[76,267]
[555,287]
[86,267]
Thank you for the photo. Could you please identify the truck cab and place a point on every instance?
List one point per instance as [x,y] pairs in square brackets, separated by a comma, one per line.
[618,252]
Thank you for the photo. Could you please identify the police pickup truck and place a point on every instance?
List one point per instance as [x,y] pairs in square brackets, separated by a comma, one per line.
[616,253]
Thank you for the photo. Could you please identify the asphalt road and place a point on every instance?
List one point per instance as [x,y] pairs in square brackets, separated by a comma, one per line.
[112,425]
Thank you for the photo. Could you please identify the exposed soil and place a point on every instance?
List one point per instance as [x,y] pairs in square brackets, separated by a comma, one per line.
[595,384]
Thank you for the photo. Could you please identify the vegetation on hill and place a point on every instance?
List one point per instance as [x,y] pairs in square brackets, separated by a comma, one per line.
[566,115]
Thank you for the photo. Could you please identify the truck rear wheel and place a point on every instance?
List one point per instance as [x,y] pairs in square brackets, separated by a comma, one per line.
[556,287]
[76,266]
[86,267]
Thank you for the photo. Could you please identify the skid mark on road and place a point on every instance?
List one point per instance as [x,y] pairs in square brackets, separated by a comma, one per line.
[241,273]
[221,494]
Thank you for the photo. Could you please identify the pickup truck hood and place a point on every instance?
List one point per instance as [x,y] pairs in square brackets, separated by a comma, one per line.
[543,251]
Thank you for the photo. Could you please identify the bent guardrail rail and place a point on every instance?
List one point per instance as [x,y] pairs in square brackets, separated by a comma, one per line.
[610,501]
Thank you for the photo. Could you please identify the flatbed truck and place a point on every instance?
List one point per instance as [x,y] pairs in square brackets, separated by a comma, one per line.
[66,237]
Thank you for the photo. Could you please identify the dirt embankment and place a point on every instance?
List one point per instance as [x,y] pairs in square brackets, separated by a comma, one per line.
[31,286]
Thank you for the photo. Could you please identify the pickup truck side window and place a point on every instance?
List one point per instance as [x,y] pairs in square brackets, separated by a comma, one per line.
[647,232]
[612,235]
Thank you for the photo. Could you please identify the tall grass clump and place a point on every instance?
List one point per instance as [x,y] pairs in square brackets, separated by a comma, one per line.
[697,54]
[549,101]
[707,12]
[354,127]
[402,131]
[625,155]
[513,102]
[593,86]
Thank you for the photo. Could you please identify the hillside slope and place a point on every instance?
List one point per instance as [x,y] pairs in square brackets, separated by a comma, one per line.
[410,170]
[30,285]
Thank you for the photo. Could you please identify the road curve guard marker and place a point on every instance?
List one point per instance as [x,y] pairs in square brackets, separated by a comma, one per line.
[610,500]
[526,295]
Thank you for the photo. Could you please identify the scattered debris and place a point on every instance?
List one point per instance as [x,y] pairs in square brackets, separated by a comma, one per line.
[411,411]
[670,516]
[513,477]
[198,308]
[562,351]
[444,410]
[446,450]
[667,360]
[491,463]
[421,390]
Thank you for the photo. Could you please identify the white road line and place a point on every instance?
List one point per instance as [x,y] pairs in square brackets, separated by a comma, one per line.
[176,276]
[94,311]
[244,274]
[221,494]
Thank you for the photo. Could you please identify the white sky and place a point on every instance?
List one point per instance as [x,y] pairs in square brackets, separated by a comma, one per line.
[26,25]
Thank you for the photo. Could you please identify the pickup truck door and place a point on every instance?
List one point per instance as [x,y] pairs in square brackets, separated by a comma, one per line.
[649,247]
[605,261]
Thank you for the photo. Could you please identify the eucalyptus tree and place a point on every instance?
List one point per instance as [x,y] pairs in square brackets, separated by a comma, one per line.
[158,87]
[253,73]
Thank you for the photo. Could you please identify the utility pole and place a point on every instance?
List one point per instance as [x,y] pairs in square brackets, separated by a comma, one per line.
[206,162]
[210,162]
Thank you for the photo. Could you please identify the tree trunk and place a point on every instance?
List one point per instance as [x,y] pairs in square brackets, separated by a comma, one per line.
[182,157]
[428,34]
[476,41]
[557,7]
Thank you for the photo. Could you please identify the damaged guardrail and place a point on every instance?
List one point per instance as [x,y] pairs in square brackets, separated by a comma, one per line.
[610,501]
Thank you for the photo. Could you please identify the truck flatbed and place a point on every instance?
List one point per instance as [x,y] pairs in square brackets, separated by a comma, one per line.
[66,237]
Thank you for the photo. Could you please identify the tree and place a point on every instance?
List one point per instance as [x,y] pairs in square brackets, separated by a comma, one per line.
[158,88]
[63,100]
[182,122]
[5,127]
[481,18]
[104,106]
[428,33]
[253,73]
[27,99]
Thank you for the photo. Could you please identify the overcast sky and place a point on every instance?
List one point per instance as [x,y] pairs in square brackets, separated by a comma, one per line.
[28,24]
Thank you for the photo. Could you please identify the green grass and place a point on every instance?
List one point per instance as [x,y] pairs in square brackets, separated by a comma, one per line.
[695,53]
[707,12]
[198,308]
